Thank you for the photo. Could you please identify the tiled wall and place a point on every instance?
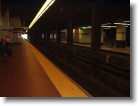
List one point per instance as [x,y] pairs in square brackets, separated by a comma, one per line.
[121,32]
[15,22]
[81,35]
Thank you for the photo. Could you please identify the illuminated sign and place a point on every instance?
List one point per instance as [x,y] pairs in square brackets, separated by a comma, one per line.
[84,28]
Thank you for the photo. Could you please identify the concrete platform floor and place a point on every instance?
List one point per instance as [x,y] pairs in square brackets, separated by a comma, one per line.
[22,75]
[27,73]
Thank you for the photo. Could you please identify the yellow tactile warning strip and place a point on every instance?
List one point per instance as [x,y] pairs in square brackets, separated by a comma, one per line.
[65,86]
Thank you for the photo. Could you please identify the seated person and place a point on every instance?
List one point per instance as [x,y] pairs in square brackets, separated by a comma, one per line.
[4,43]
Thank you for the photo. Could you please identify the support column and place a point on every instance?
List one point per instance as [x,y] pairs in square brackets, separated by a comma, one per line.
[48,36]
[96,28]
[58,35]
[69,37]
[58,32]
[47,39]
[70,30]
[95,38]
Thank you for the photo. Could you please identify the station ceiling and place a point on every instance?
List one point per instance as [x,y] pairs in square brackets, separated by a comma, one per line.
[27,9]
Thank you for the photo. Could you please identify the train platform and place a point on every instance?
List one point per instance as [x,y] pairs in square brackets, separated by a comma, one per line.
[28,73]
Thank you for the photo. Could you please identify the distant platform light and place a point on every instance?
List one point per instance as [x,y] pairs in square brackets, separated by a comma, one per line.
[64,30]
[43,35]
[108,26]
[89,27]
[24,36]
[121,24]
[126,21]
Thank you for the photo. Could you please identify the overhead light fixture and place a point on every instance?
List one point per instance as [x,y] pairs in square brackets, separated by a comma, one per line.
[43,9]
[108,26]
[64,30]
[126,21]
[125,24]
[89,27]
[118,23]
[121,24]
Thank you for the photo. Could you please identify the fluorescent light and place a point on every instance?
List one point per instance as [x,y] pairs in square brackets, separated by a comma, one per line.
[126,21]
[89,27]
[125,24]
[46,5]
[64,30]
[121,24]
[118,23]
[108,26]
